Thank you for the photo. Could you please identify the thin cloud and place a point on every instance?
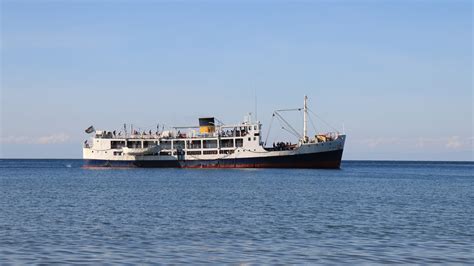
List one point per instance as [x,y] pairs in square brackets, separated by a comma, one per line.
[450,142]
[379,141]
[424,142]
[50,139]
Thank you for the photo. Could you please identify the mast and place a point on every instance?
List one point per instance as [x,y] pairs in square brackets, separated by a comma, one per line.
[256,113]
[305,120]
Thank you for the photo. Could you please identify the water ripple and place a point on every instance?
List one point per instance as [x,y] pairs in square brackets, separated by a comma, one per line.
[53,211]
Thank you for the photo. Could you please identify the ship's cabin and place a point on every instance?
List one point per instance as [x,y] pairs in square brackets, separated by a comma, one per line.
[206,139]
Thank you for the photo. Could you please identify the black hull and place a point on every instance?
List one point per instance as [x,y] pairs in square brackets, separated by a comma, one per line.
[326,160]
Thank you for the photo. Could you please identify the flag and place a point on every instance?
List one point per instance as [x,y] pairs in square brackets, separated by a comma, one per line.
[90,129]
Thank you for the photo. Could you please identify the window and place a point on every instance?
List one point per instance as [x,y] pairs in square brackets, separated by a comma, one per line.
[178,144]
[134,144]
[194,144]
[193,152]
[239,143]
[210,152]
[165,145]
[165,153]
[250,139]
[254,138]
[255,127]
[227,143]
[117,144]
[209,144]
[147,144]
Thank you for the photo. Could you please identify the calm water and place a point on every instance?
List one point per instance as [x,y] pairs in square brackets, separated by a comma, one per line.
[368,212]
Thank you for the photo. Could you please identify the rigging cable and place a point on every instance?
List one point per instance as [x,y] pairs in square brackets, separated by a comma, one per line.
[312,124]
[287,130]
[297,136]
[269,128]
[323,120]
[295,132]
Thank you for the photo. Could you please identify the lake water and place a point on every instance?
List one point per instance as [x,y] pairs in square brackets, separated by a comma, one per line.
[367,212]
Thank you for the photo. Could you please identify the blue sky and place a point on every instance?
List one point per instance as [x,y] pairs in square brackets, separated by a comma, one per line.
[397,74]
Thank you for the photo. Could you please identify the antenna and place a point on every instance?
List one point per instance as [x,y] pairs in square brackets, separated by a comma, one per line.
[256,113]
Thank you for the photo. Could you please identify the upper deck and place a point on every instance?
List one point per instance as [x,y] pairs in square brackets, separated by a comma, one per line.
[224,131]
[223,139]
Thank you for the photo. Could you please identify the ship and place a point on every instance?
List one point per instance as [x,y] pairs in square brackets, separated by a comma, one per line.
[213,144]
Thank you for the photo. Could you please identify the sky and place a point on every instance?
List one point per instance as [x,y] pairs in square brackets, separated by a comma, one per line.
[395,76]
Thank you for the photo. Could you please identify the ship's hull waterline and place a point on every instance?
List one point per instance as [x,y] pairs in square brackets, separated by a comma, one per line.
[322,160]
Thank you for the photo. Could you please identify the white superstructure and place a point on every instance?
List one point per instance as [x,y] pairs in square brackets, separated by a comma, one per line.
[209,144]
